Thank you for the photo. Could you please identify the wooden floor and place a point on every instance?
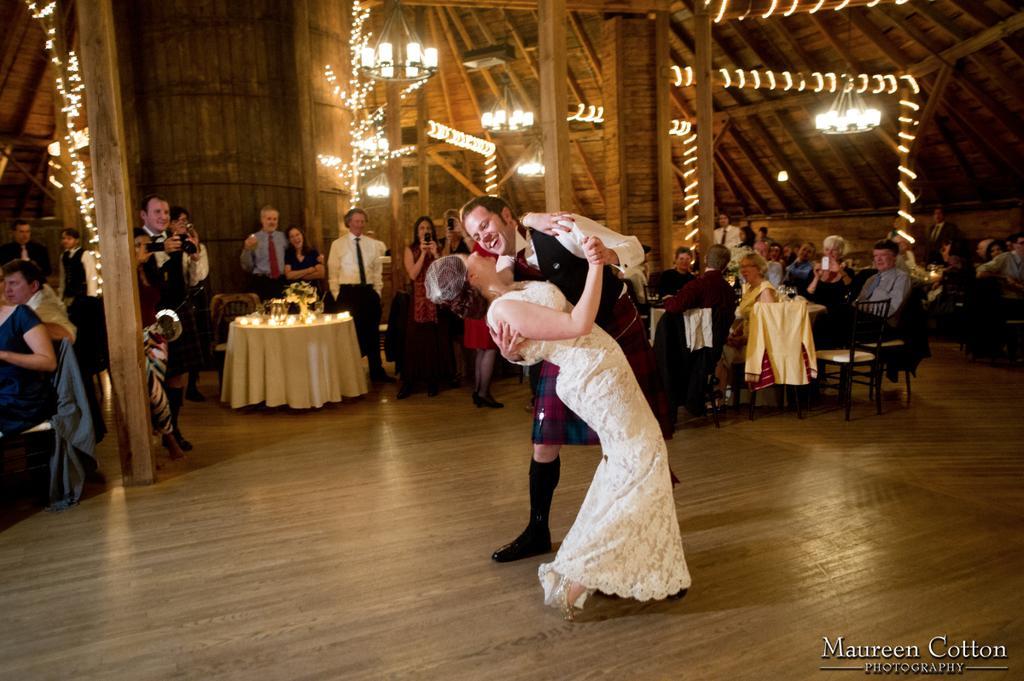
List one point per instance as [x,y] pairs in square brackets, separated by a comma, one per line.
[353,543]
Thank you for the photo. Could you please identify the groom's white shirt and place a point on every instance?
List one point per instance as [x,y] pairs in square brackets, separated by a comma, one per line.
[628,248]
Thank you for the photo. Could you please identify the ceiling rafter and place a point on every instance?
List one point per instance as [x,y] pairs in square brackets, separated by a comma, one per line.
[509,71]
[965,166]
[1002,160]
[588,47]
[730,165]
[755,162]
[986,18]
[734,190]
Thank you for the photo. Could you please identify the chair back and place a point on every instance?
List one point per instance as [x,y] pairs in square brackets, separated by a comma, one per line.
[225,307]
[869,322]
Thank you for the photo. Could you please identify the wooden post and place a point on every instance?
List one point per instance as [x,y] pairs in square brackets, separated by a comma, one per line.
[554,106]
[113,217]
[395,240]
[705,131]
[422,115]
[663,113]
[311,217]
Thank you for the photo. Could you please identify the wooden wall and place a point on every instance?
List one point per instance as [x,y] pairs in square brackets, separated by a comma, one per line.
[211,98]
[630,135]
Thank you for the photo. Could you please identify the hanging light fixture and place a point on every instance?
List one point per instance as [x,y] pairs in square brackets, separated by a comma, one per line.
[533,165]
[378,187]
[507,114]
[848,114]
[398,53]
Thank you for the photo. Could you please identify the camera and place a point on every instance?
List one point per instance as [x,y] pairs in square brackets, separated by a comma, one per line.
[428,237]
[451,224]
[188,246]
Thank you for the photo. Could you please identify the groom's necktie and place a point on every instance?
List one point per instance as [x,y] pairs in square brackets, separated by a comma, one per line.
[524,270]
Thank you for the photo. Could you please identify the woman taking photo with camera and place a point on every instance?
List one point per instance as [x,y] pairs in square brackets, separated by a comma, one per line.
[427,357]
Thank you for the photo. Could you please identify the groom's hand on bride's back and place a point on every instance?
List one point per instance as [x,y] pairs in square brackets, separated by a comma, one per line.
[508,342]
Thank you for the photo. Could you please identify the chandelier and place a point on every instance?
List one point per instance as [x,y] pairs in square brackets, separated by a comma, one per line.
[507,115]
[848,114]
[398,53]
[378,187]
[533,165]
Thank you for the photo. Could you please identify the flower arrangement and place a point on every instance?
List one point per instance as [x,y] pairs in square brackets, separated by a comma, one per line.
[302,293]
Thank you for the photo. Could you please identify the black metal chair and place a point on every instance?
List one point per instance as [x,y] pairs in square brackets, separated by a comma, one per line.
[860,362]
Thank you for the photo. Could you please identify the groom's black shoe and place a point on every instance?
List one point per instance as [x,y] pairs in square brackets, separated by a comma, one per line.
[534,541]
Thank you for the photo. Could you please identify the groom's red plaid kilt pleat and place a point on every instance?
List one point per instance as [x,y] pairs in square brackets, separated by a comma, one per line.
[556,424]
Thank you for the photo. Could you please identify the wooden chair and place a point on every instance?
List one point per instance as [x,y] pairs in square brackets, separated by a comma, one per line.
[224,308]
[861,361]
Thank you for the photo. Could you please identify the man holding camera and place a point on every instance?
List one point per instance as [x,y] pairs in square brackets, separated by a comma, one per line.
[165,270]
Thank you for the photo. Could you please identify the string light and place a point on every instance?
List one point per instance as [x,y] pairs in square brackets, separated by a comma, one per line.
[908,172]
[71,95]
[463,140]
[771,9]
[908,217]
[792,9]
[911,240]
[680,127]
[593,114]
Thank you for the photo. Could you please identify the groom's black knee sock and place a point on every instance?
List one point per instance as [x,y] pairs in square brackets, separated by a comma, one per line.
[543,481]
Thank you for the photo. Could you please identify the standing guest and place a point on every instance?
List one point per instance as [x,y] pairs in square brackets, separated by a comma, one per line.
[455,242]
[165,270]
[196,268]
[775,271]
[26,360]
[356,278]
[681,274]
[747,237]
[762,234]
[263,256]
[726,233]
[302,262]
[77,269]
[427,356]
[154,345]
[23,248]
[889,283]
[939,233]
[831,287]
[24,285]
[801,271]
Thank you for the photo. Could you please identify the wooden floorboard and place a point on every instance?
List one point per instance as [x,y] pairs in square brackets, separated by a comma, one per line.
[353,542]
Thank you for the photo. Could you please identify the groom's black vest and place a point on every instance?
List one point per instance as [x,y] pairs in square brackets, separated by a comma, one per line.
[569,273]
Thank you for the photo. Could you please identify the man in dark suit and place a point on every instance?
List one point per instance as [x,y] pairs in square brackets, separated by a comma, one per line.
[23,248]
[938,234]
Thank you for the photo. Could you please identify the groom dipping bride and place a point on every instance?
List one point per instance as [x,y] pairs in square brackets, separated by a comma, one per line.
[626,539]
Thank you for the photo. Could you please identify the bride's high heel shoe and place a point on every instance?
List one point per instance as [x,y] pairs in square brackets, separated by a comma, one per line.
[571,591]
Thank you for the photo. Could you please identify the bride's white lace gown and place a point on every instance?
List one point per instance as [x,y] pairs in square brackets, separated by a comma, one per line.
[626,539]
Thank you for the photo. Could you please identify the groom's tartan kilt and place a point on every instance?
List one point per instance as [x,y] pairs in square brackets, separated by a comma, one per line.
[556,424]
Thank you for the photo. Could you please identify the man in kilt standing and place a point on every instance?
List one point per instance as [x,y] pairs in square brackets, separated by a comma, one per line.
[549,247]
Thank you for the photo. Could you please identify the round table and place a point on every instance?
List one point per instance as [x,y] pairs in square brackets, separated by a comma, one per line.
[302,365]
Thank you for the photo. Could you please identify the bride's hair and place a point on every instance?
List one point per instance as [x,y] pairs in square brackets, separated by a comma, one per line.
[448,284]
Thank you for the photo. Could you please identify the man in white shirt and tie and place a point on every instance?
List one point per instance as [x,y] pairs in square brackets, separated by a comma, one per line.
[355,275]
[726,234]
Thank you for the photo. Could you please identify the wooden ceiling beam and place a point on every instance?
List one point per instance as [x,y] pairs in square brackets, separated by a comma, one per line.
[485,73]
[1001,159]
[1010,120]
[588,47]
[878,38]
[802,189]
[35,86]
[935,94]
[961,159]
[730,166]
[14,38]
[837,44]
[509,71]
[967,47]
[841,157]
[601,6]
[985,17]
[432,22]
[24,141]
[751,156]
[32,176]
[454,172]
[734,190]
[589,170]
[7,150]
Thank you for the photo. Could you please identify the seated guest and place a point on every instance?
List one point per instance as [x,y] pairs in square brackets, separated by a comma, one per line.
[24,285]
[1009,269]
[758,290]
[775,269]
[302,262]
[889,282]
[428,354]
[26,360]
[801,271]
[995,248]
[707,290]
[263,256]
[830,287]
[681,274]
[22,247]
[906,260]
[77,269]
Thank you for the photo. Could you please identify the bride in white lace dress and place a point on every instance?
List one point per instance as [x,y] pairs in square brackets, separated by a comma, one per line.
[626,539]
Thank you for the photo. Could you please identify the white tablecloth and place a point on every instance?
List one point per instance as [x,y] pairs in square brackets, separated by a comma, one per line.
[303,366]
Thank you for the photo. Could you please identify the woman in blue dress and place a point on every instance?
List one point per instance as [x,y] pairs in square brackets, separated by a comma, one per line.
[26,361]
[302,262]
